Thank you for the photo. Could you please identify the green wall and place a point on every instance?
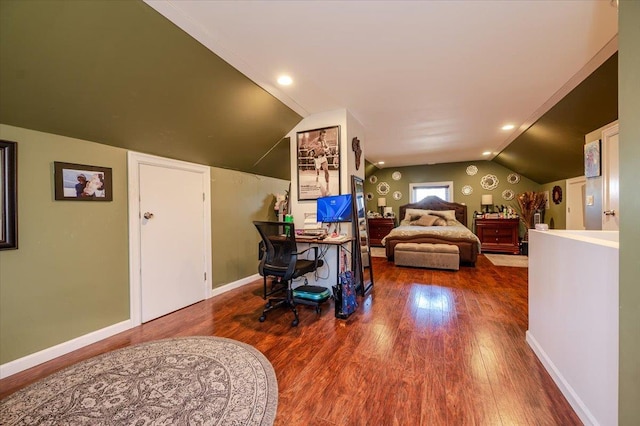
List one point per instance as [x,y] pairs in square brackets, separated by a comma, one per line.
[456,172]
[556,215]
[70,274]
[629,95]
[237,200]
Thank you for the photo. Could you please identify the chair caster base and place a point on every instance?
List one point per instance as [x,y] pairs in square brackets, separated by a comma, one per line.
[262,318]
[294,323]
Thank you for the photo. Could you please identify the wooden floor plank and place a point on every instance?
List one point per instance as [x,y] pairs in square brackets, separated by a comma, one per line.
[426,347]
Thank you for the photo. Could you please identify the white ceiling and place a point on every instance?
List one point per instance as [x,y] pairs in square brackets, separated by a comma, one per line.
[431,81]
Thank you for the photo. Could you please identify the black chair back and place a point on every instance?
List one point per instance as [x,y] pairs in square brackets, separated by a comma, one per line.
[280,250]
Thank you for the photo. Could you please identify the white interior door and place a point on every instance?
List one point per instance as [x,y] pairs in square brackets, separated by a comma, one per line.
[611,179]
[575,198]
[170,248]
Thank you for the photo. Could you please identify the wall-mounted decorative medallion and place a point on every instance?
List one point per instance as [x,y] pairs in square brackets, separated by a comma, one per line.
[557,194]
[513,178]
[383,188]
[369,196]
[467,190]
[472,170]
[508,195]
[397,195]
[373,179]
[396,176]
[489,182]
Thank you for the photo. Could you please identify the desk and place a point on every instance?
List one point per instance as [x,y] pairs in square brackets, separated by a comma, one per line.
[340,247]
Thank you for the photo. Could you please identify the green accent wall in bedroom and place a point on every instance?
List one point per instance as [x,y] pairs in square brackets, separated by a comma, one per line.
[455,172]
[119,73]
[70,274]
[556,215]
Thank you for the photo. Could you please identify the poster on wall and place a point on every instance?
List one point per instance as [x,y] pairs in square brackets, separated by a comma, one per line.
[318,163]
[592,159]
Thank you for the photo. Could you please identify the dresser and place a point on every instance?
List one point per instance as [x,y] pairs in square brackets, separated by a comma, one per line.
[379,228]
[499,235]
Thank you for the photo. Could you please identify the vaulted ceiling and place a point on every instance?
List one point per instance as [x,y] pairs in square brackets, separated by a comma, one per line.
[120,73]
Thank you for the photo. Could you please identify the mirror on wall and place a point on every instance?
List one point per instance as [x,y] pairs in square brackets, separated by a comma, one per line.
[361,247]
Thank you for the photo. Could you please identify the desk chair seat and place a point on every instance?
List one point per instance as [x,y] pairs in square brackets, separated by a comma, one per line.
[279,258]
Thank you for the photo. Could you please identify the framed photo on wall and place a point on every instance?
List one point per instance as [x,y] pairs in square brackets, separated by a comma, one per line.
[80,182]
[318,163]
[592,159]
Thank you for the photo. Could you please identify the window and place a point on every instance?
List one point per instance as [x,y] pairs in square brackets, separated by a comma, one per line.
[442,190]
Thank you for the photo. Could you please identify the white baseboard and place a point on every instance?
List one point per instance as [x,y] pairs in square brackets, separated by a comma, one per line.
[63,348]
[572,397]
[231,286]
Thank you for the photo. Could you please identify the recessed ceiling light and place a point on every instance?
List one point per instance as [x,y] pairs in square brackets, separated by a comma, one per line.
[381,162]
[486,153]
[285,80]
[508,127]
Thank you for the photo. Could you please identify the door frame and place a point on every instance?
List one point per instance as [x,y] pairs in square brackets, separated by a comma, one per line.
[570,187]
[134,160]
[607,134]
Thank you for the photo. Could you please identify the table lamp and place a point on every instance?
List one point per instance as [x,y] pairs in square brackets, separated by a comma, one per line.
[382,203]
[487,200]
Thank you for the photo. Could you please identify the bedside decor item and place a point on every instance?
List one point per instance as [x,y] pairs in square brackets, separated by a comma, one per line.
[382,203]
[486,201]
[373,179]
[513,178]
[80,182]
[397,195]
[396,176]
[472,170]
[592,159]
[508,195]
[355,146]
[557,194]
[383,188]
[489,182]
[528,204]
[467,190]
[8,195]
[318,163]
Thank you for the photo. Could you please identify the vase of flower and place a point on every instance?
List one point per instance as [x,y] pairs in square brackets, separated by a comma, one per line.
[528,204]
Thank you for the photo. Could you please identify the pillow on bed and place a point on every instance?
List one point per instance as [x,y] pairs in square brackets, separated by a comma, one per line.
[445,214]
[425,220]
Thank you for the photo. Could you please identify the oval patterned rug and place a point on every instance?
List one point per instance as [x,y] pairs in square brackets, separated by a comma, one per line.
[181,381]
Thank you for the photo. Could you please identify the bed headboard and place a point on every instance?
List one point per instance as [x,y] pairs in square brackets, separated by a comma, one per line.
[434,203]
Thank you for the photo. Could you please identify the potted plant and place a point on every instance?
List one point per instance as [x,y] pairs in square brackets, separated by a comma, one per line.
[528,204]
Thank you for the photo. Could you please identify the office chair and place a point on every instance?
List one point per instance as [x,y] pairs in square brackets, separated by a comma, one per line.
[279,257]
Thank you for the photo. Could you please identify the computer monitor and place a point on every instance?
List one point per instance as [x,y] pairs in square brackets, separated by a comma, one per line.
[335,208]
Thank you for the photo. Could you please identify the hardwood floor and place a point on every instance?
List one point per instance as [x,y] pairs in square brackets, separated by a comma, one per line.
[426,347]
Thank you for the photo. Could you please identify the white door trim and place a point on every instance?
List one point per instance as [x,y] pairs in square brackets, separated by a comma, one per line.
[607,134]
[134,160]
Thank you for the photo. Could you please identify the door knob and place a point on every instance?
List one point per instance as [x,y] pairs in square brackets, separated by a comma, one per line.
[148,215]
[609,212]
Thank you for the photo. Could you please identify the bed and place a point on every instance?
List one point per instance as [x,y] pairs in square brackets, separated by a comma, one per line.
[454,232]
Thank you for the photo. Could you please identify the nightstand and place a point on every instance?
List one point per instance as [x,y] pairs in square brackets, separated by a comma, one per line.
[379,227]
[499,235]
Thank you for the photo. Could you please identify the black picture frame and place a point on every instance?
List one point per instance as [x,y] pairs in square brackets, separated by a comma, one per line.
[8,195]
[69,185]
[313,180]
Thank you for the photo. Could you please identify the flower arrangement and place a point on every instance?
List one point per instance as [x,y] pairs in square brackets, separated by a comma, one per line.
[528,204]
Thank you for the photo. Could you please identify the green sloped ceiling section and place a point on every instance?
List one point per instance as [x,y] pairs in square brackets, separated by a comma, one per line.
[119,73]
